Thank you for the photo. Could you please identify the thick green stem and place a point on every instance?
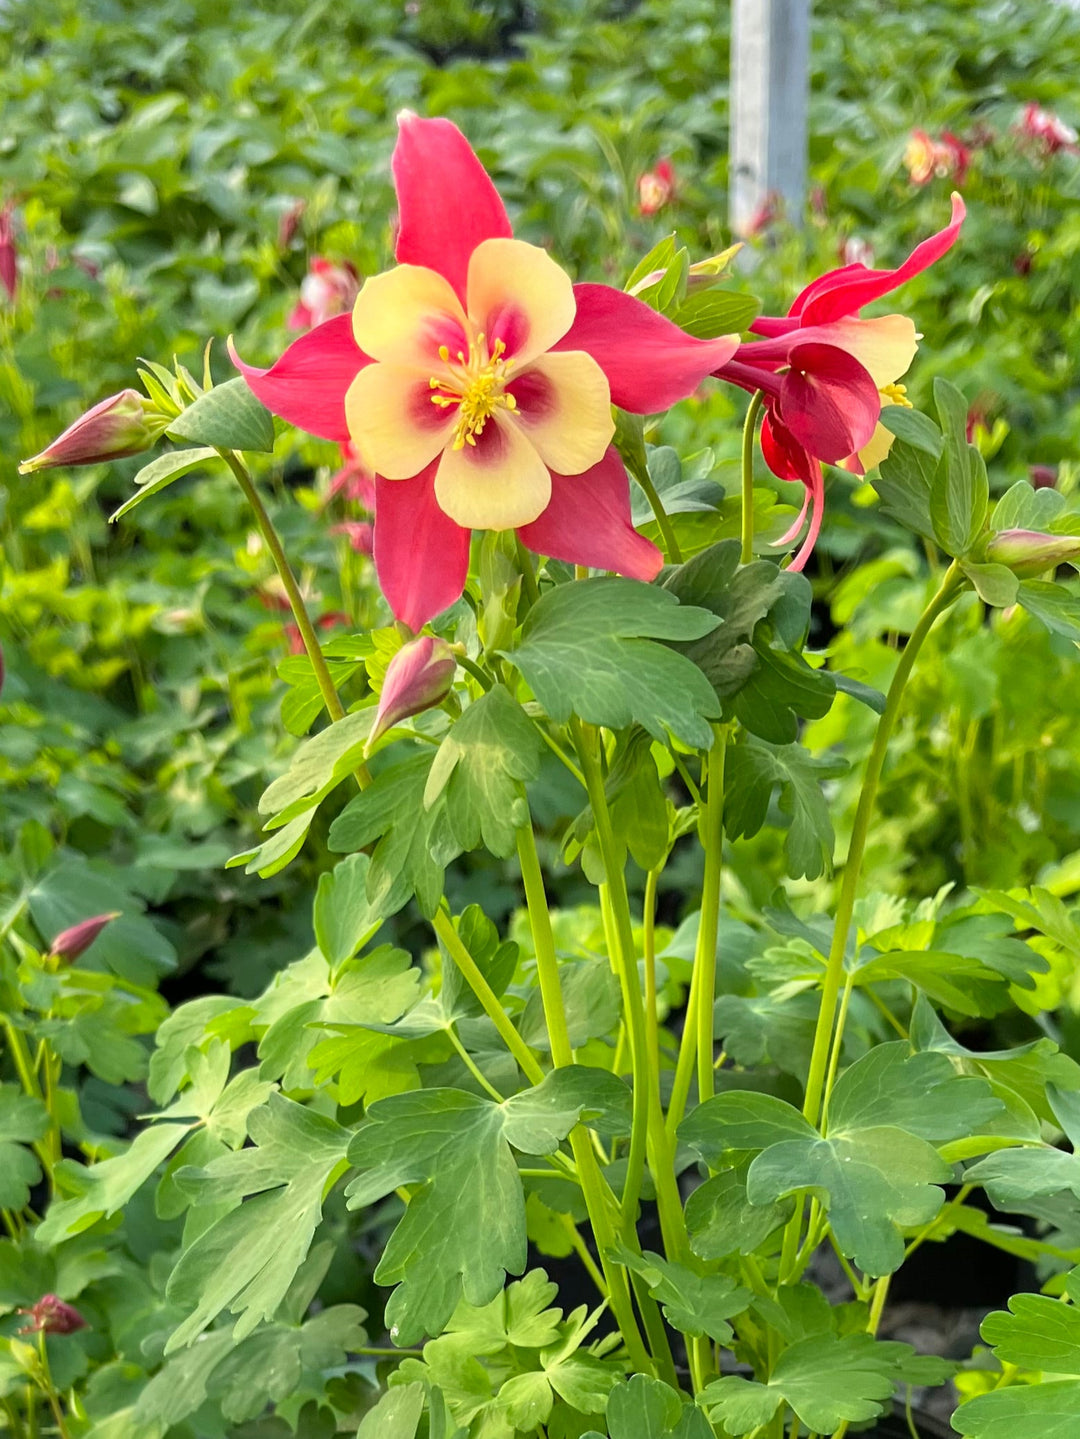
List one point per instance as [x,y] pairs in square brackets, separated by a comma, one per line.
[667,531]
[748,477]
[592,1181]
[648,945]
[950,587]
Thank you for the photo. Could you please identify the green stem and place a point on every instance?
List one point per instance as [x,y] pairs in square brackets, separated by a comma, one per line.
[473,1068]
[860,831]
[877,1304]
[648,946]
[748,477]
[528,574]
[667,531]
[697,1036]
[639,1130]
[950,587]
[592,1182]
[489,1000]
[712,839]
[334,708]
[49,1388]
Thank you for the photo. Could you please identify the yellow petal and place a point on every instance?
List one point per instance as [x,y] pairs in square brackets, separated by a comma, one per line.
[496,484]
[877,446]
[392,421]
[563,404]
[885,346]
[402,316]
[517,294]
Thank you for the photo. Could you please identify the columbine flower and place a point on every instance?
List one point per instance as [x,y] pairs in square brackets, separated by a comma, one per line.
[476,382]
[51,1315]
[826,373]
[9,257]
[122,425]
[325,291]
[1046,129]
[946,158]
[656,188]
[418,676]
[70,943]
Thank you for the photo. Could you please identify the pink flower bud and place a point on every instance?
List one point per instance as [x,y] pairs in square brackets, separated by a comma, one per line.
[124,424]
[326,290]
[418,676]
[50,1315]
[70,943]
[1030,552]
[9,259]
[289,223]
[656,188]
[1043,477]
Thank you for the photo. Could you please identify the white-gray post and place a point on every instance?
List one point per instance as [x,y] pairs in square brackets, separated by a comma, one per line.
[770,85]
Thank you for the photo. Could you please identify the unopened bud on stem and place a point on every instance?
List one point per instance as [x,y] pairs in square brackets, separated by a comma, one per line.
[419,676]
[122,425]
[1030,552]
[70,943]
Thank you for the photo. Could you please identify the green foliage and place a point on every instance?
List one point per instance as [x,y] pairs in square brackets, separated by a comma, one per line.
[592,649]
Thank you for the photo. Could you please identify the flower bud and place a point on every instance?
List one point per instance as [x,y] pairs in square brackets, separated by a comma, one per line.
[124,424]
[1043,477]
[418,676]
[1030,552]
[656,188]
[70,943]
[50,1315]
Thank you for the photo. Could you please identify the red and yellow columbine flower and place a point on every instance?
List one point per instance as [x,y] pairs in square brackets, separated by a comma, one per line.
[826,373]
[477,382]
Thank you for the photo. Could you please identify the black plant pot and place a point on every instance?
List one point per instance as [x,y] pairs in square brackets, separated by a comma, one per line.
[895,1426]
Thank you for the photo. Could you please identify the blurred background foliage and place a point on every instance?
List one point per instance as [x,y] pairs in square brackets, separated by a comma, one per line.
[171,172]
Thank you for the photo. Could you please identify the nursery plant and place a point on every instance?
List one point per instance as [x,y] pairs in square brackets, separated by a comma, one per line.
[593,659]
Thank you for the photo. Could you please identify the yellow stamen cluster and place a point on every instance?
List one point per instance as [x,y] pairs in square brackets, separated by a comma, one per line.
[897,395]
[475,383]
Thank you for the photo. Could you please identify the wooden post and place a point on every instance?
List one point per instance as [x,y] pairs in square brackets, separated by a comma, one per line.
[770,84]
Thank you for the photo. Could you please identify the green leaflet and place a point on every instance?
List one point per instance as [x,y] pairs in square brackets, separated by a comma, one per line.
[591,649]
[464,1230]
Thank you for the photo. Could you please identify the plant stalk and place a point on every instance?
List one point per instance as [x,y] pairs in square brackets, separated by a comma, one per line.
[748,477]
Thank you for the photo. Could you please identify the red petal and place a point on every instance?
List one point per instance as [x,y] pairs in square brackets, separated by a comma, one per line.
[587,522]
[446,201]
[421,555]
[307,385]
[782,453]
[650,363]
[816,491]
[844,292]
[828,401]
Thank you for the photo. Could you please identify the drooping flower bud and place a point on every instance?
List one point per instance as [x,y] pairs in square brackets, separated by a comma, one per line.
[418,676]
[70,943]
[51,1315]
[1030,552]
[122,425]
[1043,477]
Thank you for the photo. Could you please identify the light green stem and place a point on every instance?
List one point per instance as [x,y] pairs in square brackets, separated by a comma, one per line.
[697,1036]
[860,832]
[748,477]
[592,1182]
[950,587]
[667,530]
[648,945]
